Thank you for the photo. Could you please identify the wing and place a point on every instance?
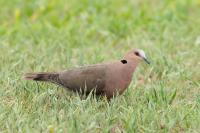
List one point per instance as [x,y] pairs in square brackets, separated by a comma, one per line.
[86,78]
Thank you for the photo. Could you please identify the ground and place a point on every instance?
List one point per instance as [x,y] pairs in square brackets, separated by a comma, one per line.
[52,35]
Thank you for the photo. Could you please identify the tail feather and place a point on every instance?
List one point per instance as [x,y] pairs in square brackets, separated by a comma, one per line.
[47,77]
[37,76]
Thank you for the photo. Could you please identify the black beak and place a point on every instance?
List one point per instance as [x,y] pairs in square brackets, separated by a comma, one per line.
[146,60]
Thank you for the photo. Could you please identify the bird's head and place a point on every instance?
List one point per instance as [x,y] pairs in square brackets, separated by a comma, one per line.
[137,55]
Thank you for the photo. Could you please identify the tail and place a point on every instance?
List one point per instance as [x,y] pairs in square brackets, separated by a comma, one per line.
[41,76]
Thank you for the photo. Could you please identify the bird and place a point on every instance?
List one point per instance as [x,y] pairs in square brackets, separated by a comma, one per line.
[104,79]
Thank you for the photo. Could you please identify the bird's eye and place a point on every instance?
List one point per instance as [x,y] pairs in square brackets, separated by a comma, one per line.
[137,54]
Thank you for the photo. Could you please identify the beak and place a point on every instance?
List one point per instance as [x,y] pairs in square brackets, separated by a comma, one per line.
[146,60]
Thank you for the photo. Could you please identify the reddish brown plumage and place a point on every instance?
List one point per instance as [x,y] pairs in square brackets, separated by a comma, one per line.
[107,79]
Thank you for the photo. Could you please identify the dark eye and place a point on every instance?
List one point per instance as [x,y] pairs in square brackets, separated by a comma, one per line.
[137,54]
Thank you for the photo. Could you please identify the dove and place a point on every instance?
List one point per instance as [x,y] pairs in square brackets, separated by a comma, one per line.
[105,79]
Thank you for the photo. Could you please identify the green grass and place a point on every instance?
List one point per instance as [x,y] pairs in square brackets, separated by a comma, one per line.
[51,35]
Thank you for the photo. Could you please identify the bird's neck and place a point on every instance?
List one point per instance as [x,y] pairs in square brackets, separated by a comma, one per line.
[130,65]
[132,62]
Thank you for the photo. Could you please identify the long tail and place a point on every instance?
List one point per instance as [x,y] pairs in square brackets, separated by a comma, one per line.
[51,77]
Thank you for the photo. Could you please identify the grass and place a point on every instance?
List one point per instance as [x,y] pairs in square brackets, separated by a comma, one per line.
[50,35]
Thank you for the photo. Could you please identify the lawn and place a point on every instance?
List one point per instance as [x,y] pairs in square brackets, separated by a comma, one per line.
[52,35]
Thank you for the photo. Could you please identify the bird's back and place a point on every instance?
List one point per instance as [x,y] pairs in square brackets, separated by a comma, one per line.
[85,78]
